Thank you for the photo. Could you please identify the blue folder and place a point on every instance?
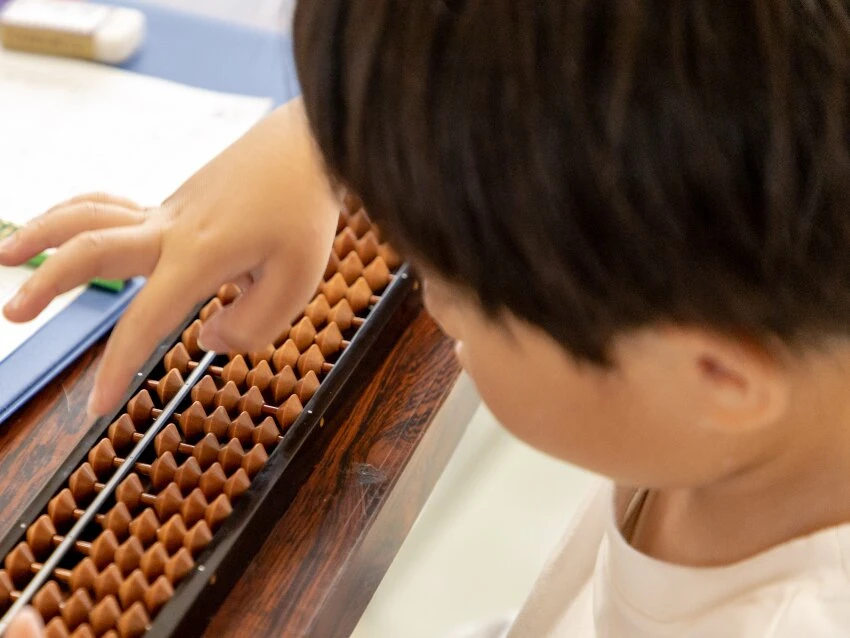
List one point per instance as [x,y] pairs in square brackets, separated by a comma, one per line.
[185,48]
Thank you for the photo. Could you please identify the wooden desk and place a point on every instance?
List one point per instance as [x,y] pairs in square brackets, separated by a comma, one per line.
[366,478]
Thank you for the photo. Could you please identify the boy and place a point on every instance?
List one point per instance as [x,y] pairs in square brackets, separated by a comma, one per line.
[634,218]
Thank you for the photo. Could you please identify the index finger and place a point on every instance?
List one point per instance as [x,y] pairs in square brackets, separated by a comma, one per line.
[163,303]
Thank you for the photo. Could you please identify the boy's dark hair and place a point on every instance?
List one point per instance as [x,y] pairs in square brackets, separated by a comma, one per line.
[595,166]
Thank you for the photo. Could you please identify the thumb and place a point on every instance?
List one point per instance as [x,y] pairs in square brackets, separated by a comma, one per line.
[27,624]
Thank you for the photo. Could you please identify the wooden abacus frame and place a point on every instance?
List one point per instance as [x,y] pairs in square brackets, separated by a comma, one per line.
[220,565]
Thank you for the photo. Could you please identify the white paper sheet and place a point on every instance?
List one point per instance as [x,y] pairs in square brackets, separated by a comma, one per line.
[69,127]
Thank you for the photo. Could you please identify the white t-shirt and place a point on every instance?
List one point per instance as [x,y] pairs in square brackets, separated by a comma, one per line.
[597,586]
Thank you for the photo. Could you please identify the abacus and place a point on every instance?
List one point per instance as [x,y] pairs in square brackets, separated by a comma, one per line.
[153,516]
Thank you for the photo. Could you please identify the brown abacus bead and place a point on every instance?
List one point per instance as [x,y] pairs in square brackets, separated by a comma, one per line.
[330,340]
[84,631]
[260,377]
[359,222]
[252,403]
[209,309]
[56,629]
[368,247]
[108,581]
[62,509]
[196,539]
[343,316]
[266,434]
[153,561]
[76,608]
[18,563]
[189,338]
[312,360]
[122,432]
[212,481]
[242,427]
[158,594]
[188,475]
[194,507]
[282,384]
[82,576]
[305,388]
[377,274]
[227,397]
[83,482]
[302,334]
[345,242]
[104,615]
[255,460]
[179,359]
[230,456]
[261,355]
[7,589]
[48,600]
[360,296]
[350,268]
[204,391]
[141,407]
[291,409]
[132,589]
[334,289]
[286,355]
[228,293]
[129,553]
[390,256]
[133,622]
[167,387]
[144,527]
[317,310]
[178,566]
[237,484]
[218,511]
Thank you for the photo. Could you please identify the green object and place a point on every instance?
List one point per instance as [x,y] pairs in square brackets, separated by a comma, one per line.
[114,285]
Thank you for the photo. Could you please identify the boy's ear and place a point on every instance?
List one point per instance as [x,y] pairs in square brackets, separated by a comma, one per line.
[730,384]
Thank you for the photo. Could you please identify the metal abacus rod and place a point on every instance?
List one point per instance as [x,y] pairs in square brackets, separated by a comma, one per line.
[88,515]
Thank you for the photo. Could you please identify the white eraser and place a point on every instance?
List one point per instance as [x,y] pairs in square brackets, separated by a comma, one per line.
[73,29]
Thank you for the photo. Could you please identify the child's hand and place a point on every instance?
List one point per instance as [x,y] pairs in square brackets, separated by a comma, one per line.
[27,624]
[261,214]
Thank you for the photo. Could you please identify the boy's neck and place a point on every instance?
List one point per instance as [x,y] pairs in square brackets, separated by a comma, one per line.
[798,489]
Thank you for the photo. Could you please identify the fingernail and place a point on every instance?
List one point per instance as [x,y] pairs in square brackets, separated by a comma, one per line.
[210,342]
[16,302]
[92,405]
[7,243]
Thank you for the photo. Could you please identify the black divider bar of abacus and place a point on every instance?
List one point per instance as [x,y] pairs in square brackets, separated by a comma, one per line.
[199,595]
[56,556]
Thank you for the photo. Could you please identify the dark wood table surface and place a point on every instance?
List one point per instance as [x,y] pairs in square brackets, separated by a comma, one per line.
[366,477]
